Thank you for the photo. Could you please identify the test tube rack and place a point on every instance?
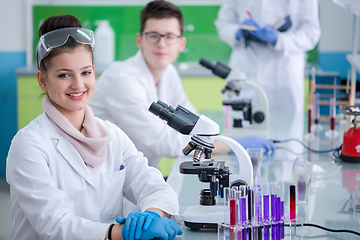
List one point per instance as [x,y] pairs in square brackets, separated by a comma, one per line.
[247,213]
[266,230]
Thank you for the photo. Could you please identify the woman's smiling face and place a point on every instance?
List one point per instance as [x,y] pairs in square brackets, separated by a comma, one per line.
[69,80]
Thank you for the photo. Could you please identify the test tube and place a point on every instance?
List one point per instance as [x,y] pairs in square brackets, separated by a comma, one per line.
[332,113]
[258,208]
[227,205]
[277,214]
[280,212]
[266,201]
[227,117]
[238,214]
[292,203]
[232,200]
[242,208]
[309,118]
[281,192]
[258,200]
[316,108]
[266,211]
[292,212]
[250,198]
[273,187]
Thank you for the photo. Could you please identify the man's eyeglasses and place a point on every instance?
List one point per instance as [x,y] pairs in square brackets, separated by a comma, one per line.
[154,37]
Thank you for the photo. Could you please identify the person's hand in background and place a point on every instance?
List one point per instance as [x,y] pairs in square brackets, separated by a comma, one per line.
[246,23]
[257,142]
[266,34]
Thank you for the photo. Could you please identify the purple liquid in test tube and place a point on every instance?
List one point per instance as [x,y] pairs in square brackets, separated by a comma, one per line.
[277,218]
[251,207]
[258,232]
[242,203]
[273,186]
[266,207]
[281,194]
[266,211]
[258,200]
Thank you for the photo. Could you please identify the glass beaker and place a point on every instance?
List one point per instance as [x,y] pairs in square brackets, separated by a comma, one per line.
[301,175]
[256,156]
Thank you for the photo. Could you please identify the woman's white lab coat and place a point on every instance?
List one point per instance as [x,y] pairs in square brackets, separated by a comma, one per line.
[56,196]
[278,69]
[123,95]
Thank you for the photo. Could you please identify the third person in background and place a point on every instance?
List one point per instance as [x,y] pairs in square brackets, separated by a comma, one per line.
[269,40]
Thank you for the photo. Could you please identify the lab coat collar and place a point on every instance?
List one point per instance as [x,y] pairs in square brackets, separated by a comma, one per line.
[139,57]
[146,71]
[66,149]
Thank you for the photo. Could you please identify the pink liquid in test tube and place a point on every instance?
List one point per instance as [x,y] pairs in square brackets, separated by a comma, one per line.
[309,119]
[227,117]
[232,212]
[332,123]
[232,215]
[316,108]
[332,113]
[292,203]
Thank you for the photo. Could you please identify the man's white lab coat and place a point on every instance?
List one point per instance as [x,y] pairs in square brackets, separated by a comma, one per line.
[123,95]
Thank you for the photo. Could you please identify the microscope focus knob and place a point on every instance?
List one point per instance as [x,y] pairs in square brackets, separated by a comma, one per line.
[259,117]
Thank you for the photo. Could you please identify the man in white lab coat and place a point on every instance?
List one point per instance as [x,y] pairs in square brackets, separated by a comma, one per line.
[125,91]
[274,55]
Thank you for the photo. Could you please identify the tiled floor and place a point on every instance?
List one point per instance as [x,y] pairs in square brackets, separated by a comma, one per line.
[5,214]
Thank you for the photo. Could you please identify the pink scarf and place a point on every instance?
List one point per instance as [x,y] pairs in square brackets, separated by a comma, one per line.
[91,142]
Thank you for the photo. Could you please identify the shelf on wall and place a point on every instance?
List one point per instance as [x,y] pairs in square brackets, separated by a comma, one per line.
[354,61]
[346,3]
[355,9]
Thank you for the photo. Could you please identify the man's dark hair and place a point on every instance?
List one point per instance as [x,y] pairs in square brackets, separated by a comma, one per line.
[160,9]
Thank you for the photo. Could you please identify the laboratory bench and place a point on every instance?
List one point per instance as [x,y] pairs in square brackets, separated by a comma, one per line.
[329,202]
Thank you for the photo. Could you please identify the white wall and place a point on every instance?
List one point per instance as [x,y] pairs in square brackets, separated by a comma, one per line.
[336,27]
[12,25]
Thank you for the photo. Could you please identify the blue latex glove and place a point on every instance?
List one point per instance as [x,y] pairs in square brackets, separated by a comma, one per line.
[162,228]
[136,223]
[257,142]
[243,33]
[239,34]
[266,34]
[251,22]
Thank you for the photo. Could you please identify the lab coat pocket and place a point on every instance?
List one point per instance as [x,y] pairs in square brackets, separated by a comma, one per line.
[113,183]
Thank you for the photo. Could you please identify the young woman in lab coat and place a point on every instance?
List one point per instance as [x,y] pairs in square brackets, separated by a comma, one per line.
[125,91]
[68,170]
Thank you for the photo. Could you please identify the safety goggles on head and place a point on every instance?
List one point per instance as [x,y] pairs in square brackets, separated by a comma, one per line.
[59,37]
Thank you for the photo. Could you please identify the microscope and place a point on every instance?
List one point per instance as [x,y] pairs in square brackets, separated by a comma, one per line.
[204,132]
[244,118]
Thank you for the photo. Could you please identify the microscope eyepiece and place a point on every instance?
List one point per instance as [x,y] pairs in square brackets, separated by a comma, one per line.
[179,119]
[207,64]
[219,69]
[162,110]
[156,108]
